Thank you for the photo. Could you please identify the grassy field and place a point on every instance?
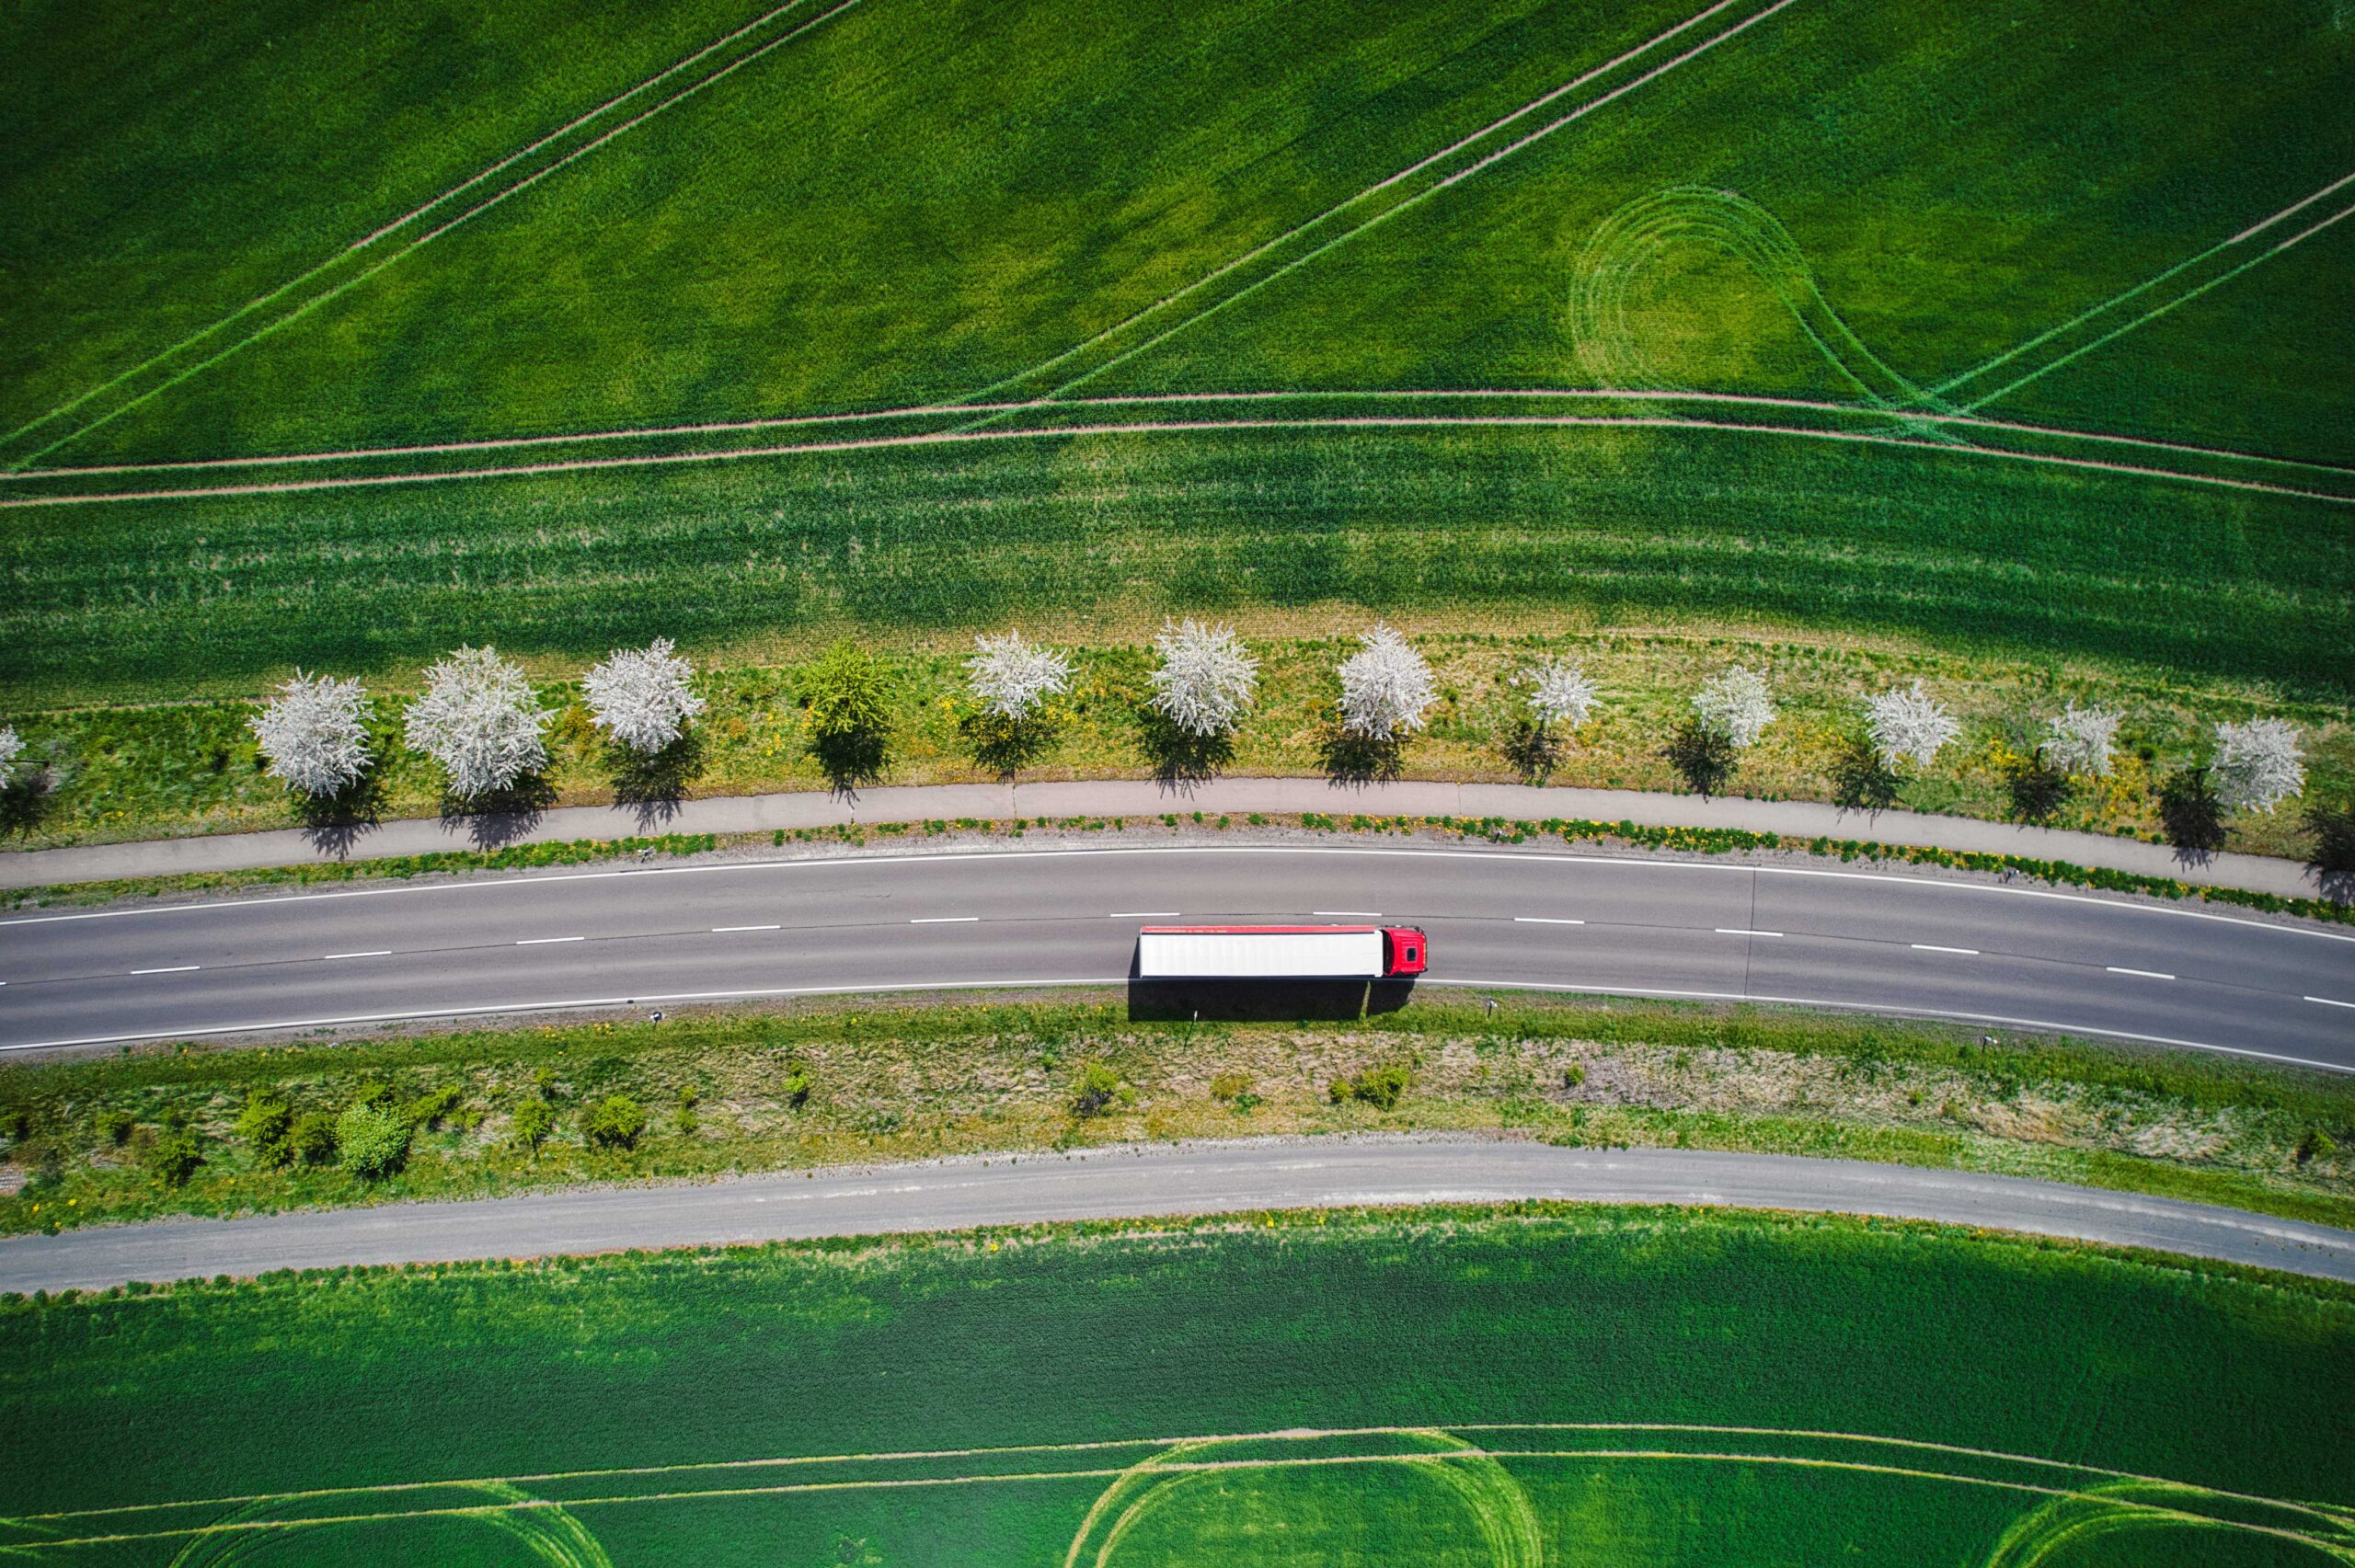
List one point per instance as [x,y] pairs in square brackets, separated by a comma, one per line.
[1590,1386]
[1898,224]
[736,1091]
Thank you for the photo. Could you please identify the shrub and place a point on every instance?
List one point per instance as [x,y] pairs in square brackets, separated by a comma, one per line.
[1573,1075]
[174,1156]
[2191,812]
[264,1124]
[613,1121]
[2316,1145]
[530,1126]
[428,1108]
[1099,1089]
[1377,1086]
[311,1140]
[1230,1084]
[796,1088]
[371,1141]
[114,1125]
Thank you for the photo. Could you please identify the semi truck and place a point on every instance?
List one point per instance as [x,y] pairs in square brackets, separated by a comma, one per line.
[1281,952]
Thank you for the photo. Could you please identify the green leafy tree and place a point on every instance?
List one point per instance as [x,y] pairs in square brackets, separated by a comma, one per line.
[311,1139]
[614,1122]
[372,1141]
[264,1124]
[850,694]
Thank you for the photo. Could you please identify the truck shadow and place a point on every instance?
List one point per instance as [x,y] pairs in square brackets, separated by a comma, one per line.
[1264,1002]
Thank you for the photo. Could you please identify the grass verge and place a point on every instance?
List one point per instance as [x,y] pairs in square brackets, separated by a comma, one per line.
[482,1112]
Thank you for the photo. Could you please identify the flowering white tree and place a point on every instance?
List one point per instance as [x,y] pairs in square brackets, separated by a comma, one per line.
[12,746]
[479,720]
[1012,677]
[1206,679]
[2079,740]
[314,733]
[1908,724]
[1736,705]
[2258,764]
[1559,692]
[1385,686]
[643,697]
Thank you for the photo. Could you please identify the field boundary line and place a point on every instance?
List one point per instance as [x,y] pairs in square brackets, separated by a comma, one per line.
[1178,427]
[410,248]
[1150,399]
[402,221]
[1408,172]
[1187,1467]
[1715,1429]
[1388,212]
[2144,287]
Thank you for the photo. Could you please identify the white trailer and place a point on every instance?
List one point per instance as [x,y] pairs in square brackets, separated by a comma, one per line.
[1279,952]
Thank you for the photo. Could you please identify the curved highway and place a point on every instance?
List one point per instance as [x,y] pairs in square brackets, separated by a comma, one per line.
[1995,954]
[1142,1181]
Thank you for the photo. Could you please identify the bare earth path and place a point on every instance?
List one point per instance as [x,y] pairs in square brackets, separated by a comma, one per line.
[1139,1181]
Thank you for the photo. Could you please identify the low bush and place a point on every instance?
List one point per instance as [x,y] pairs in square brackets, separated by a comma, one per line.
[428,1109]
[1379,1086]
[1099,1090]
[1230,1085]
[174,1155]
[372,1141]
[264,1124]
[311,1140]
[530,1125]
[614,1122]
[114,1125]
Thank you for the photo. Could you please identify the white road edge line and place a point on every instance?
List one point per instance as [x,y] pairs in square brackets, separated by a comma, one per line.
[718,929]
[943,920]
[172,969]
[1934,947]
[1144,915]
[1347,915]
[1544,919]
[2140,974]
[1744,930]
[2327,1002]
[545,941]
[982,857]
[372,953]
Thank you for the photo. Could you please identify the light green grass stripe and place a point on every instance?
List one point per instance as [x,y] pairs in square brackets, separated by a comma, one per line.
[1190,427]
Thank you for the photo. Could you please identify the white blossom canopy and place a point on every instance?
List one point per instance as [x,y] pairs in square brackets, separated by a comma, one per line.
[314,733]
[1012,678]
[1385,686]
[2079,740]
[1908,724]
[12,746]
[480,721]
[643,697]
[1559,692]
[1206,679]
[1735,705]
[2258,764]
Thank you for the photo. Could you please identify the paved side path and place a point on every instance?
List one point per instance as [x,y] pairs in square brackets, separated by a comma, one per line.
[1144,797]
[1137,1181]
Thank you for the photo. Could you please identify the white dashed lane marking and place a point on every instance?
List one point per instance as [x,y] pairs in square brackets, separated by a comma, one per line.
[2138,974]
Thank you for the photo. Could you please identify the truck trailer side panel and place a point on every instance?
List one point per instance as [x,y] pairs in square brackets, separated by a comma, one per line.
[1350,953]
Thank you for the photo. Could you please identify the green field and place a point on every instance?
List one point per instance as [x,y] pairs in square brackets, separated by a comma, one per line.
[1749,334]
[1589,1386]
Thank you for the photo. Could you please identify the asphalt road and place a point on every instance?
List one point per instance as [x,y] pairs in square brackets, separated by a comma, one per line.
[2001,955]
[1144,1181]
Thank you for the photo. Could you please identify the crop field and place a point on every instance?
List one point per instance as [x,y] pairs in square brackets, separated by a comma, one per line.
[337,336]
[1568,1386]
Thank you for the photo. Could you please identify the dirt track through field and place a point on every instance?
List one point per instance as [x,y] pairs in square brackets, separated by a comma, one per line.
[1178,426]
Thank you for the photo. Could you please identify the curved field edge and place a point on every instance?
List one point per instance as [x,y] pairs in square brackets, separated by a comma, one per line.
[732,1091]
[1071,1353]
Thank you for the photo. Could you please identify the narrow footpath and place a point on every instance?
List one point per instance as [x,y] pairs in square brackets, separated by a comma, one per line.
[1140,1181]
[1144,798]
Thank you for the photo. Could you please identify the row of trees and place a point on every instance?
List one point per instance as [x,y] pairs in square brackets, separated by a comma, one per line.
[480,721]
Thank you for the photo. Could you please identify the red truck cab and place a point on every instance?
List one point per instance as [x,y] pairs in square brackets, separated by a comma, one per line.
[1409,951]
